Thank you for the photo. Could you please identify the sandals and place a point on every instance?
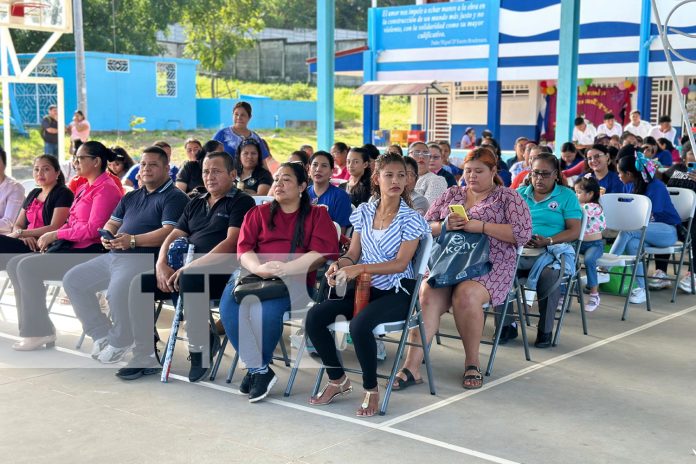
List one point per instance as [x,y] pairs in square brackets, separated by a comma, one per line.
[402,384]
[366,404]
[341,391]
[475,381]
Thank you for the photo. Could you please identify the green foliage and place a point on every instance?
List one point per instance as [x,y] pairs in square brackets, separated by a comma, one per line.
[135,121]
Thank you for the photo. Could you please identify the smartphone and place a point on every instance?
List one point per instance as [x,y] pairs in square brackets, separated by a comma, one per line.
[458,209]
[105,234]
[691,166]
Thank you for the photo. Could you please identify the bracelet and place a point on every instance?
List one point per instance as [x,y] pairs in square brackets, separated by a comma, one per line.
[550,240]
[346,257]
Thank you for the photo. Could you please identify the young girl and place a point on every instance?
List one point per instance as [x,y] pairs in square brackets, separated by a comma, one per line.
[587,190]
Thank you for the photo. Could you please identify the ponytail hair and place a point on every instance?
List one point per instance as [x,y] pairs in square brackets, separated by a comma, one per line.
[305,205]
[98,150]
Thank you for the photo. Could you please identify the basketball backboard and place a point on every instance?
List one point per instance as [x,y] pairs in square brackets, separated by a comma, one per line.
[37,15]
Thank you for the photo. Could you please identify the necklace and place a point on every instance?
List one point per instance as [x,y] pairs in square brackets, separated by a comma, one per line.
[385,216]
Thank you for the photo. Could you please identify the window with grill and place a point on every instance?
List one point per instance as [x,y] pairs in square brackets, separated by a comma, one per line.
[117,65]
[470,92]
[661,98]
[166,79]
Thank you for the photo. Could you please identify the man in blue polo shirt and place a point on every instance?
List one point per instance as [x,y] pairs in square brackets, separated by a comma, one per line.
[211,222]
[140,223]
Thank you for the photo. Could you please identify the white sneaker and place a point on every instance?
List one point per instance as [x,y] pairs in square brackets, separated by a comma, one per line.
[685,283]
[592,303]
[98,346]
[637,296]
[602,277]
[112,355]
[658,282]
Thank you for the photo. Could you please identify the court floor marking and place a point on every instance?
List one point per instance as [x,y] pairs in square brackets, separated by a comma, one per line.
[388,426]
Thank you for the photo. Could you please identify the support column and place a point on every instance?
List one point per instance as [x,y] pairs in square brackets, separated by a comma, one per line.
[644,86]
[370,102]
[494,85]
[326,19]
[567,89]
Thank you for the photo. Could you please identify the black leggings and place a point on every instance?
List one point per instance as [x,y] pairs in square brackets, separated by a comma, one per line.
[384,306]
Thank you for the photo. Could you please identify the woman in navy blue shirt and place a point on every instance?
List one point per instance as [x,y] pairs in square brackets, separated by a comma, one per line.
[636,172]
[599,164]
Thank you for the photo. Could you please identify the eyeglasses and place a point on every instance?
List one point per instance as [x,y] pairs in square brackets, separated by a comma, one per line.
[543,174]
[435,157]
[420,154]
[78,159]
[596,157]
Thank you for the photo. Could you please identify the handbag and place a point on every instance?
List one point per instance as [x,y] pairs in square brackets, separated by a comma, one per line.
[263,289]
[59,245]
[458,256]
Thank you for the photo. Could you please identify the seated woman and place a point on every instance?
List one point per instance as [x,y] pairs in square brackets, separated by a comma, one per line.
[11,197]
[190,176]
[556,221]
[322,192]
[503,216]
[44,210]
[359,184]
[637,173]
[78,180]
[300,156]
[289,223]
[93,205]
[420,203]
[599,164]
[252,177]
[666,145]
[572,161]
[386,235]
[122,162]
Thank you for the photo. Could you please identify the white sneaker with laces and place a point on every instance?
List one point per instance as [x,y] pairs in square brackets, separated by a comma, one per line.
[637,296]
[685,283]
[658,282]
[112,355]
[98,346]
[592,303]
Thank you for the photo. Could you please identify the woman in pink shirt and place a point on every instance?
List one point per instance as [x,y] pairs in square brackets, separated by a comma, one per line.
[68,246]
[79,129]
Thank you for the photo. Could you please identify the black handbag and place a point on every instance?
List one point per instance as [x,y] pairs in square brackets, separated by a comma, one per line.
[263,289]
[458,256]
[59,245]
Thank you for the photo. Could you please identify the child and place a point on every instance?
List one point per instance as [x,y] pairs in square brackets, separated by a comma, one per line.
[587,190]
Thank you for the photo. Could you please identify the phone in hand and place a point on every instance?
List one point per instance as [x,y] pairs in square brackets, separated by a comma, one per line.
[459,209]
[106,234]
[691,166]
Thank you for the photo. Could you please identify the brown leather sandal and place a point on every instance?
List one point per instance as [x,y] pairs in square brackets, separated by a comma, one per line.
[475,380]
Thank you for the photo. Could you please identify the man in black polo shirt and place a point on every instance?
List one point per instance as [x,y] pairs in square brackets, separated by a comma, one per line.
[140,223]
[211,222]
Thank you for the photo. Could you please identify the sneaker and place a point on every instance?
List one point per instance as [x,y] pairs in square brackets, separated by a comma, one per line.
[543,339]
[98,346]
[603,277]
[111,354]
[246,384]
[592,303]
[140,365]
[658,282]
[685,283]
[197,371]
[637,296]
[261,385]
[381,350]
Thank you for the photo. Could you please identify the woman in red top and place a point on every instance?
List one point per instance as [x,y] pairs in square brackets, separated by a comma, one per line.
[287,238]
[93,205]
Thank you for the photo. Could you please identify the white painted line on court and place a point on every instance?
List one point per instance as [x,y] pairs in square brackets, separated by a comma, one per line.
[536,367]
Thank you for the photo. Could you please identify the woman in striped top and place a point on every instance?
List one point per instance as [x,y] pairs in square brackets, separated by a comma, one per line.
[385,238]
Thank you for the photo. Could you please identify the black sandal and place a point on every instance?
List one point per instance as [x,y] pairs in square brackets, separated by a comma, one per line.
[475,377]
[402,384]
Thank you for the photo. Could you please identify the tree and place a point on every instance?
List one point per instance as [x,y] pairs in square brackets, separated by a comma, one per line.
[132,29]
[217,29]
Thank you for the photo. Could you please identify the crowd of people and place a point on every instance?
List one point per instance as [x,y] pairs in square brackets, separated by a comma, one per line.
[95,230]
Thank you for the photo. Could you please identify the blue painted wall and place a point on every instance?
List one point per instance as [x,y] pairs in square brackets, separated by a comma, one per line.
[114,97]
[216,113]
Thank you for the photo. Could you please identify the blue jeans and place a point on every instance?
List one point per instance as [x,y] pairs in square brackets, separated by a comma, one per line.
[592,251]
[51,149]
[658,234]
[254,327]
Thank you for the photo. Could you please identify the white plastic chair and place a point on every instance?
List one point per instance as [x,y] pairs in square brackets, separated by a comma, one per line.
[684,201]
[262,199]
[28,185]
[627,212]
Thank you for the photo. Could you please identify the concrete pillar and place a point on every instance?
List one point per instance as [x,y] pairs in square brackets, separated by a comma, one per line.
[494,85]
[326,20]
[370,102]
[644,84]
[567,89]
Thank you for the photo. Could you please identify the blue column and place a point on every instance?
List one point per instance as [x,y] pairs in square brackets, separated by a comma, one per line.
[370,102]
[326,20]
[567,89]
[644,86]
[494,85]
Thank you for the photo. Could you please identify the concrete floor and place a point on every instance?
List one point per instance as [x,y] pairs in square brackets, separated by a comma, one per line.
[623,394]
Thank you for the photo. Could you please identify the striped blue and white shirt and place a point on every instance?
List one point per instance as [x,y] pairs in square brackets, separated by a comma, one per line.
[407,225]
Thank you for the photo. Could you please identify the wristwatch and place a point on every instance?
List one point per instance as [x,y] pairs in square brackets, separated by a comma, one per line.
[132,241]
[550,240]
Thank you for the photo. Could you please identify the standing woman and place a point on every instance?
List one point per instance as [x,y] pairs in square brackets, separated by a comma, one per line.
[79,130]
[359,185]
[93,205]
[252,177]
[11,197]
[385,239]
[502,215]
[45,210]
[232,136]
[289,225]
